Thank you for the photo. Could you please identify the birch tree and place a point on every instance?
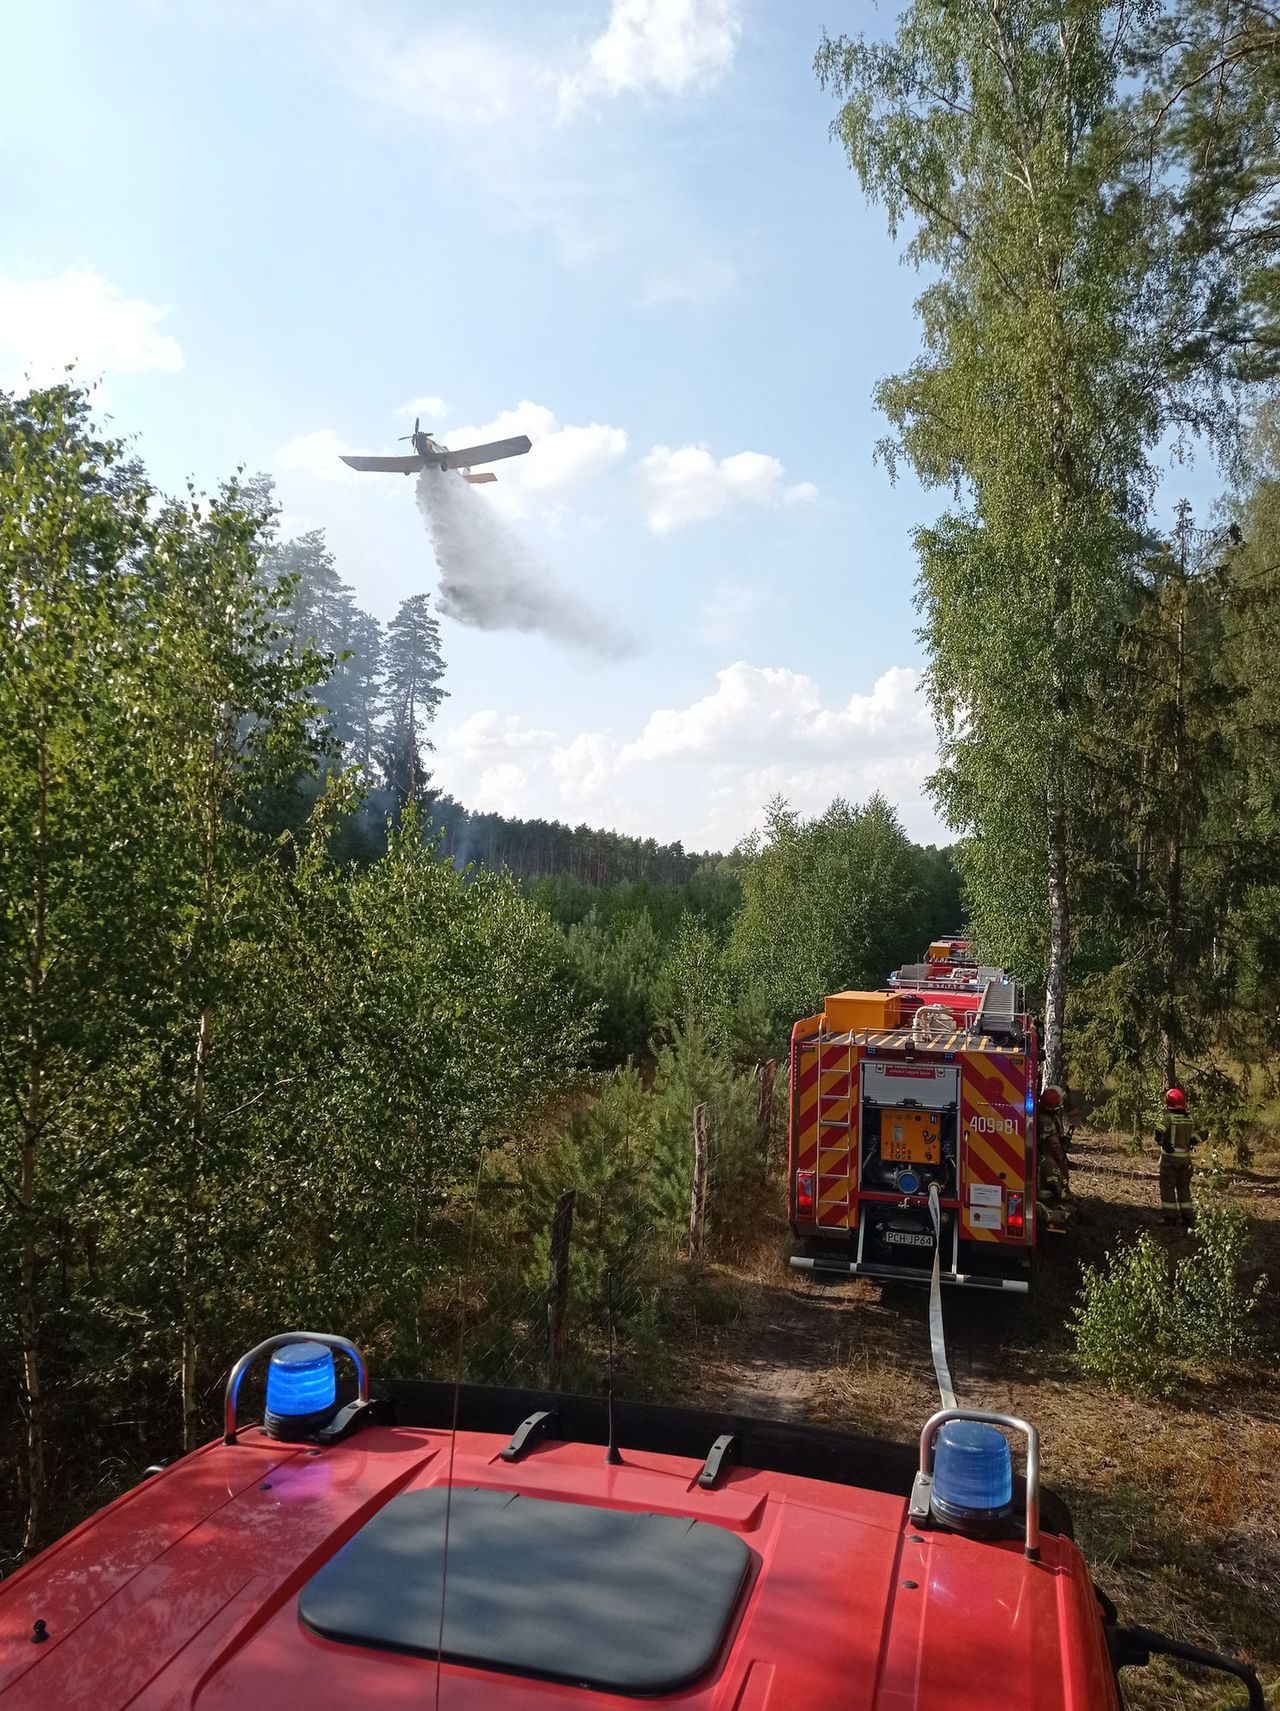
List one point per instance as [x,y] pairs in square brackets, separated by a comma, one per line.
[1056,330]
[72,818]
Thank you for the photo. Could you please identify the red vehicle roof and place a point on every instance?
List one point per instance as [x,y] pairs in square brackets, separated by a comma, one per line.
[185,1591]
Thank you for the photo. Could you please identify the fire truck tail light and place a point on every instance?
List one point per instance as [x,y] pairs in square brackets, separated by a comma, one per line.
[972,1474]
[1015,1221]
[804,1193]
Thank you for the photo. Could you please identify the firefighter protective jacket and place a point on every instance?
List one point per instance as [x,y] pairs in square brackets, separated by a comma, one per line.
[1177,1135]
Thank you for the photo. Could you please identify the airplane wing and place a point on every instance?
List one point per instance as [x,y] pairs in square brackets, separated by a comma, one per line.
[489,453]
[389,465]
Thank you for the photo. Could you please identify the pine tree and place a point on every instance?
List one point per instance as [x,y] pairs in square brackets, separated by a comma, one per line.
[412,667]
[361,690]
[321,606]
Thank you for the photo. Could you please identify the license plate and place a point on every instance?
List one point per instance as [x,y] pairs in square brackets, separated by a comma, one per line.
[908,1238]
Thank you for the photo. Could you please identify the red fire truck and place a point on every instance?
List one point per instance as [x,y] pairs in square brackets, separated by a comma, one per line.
[424,1545]
[927,1086]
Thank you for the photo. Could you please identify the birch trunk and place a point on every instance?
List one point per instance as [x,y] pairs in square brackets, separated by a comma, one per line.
[190,1264]
[34,1471]
[1055,997]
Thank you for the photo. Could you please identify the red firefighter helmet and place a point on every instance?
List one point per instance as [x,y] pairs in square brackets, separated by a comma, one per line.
[1175,1100]
[1052,1098]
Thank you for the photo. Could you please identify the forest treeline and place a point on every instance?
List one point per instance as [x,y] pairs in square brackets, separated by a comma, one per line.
[382,689]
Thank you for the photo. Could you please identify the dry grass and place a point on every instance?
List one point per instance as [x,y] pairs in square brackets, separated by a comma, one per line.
[1177,1503]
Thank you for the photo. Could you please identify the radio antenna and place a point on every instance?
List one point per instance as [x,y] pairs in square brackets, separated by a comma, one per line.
[612,1455]
[453,1428]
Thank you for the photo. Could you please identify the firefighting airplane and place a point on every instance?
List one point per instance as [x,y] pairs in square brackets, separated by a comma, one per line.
[428,455]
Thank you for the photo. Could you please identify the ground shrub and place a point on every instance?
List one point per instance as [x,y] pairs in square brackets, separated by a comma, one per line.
[1213,1305]
[1122,1323]
[1141,1318]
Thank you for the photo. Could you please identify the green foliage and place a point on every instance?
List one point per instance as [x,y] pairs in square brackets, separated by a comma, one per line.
[1123,1322]
[628,1155]
[616,1266]
[1140,1321]
[698,992]
[692,1071]
[1212,1303]
[1045,385]
[242,1085]
[1205,113]
[648,955]
[829,903]
[412,667]
[619,969]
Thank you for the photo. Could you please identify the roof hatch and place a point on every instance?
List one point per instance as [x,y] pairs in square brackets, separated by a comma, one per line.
[604,1598]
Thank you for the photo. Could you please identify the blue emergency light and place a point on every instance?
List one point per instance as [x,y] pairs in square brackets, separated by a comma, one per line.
[972,1474]
[302,1390]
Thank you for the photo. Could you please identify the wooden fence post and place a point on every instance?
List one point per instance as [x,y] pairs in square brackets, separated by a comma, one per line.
[558,1285]
[698,1197]
[765,1075]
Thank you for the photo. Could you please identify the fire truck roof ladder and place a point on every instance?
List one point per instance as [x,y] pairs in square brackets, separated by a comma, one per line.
[998,1011]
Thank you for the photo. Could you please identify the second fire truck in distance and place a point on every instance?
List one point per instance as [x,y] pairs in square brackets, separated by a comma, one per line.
[929,1084]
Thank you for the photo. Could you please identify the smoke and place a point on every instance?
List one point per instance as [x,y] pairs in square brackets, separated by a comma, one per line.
[492,581]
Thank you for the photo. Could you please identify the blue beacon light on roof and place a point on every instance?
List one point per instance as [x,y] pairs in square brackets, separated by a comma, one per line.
[301,1390]
[972,1474]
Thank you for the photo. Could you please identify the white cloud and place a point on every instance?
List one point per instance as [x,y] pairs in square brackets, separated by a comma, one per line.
[703,772]
[318,454]
[80,317]
[430,406]
[667,46]
[486,108]
[756,708]
[689,484]
[461,78]
[467,80]
[563,456]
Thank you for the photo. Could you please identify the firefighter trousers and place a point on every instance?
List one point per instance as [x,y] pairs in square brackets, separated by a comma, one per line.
[1175,1189]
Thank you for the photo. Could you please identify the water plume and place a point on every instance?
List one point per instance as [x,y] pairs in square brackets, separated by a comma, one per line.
[491,580]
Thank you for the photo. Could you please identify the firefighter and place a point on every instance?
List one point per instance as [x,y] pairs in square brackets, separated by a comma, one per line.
[1054,1204]
[1176,1137]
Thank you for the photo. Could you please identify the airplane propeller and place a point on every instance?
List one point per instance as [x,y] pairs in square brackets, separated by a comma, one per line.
[414,434]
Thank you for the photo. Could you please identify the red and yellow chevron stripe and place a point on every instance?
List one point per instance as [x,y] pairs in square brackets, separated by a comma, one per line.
[993,1145]
[824,1117]
[837,1114]
[804,1094]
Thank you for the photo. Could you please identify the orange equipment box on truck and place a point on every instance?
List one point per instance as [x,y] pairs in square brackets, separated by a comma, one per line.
[882,1114]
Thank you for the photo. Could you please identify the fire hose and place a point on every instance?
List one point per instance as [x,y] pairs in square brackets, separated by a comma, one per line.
[937,1334]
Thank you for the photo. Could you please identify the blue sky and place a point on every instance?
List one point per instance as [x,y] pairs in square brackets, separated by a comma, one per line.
[617,224]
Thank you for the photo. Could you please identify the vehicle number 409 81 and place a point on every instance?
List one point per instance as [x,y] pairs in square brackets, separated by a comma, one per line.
[993,1125]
